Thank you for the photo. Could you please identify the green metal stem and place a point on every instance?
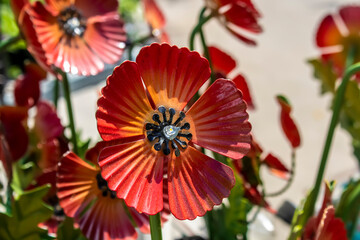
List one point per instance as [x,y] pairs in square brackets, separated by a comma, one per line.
[198,27]
[67,95]
[56,93]
[155,227]
[339,97]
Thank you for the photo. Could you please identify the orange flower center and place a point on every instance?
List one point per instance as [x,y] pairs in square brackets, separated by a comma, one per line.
[168,132]
[72,22]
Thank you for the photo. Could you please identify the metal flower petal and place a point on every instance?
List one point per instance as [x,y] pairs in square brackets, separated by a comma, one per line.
[84,195]
[220,121]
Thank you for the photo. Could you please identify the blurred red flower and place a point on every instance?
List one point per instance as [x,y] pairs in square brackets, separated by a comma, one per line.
[13,128]
[237,15]
[85,196]
[156,20]
[27,86]
[145,101]
[72,35]
[337,34]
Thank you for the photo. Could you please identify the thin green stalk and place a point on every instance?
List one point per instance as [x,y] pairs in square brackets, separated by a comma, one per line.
[56,93]
[155,227]
[207,54]
[288,184]
[8,42]
[339,97]
[9,197]
[209,219]
[67,95]
[198,27]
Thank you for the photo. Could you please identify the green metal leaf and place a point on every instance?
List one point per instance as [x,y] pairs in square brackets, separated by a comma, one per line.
[67,231]
[300,218]
[349,206]
[324,73]
[28,210]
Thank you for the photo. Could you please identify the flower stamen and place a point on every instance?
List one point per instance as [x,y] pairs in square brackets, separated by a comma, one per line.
[103,186]
[168,132]
[72,22]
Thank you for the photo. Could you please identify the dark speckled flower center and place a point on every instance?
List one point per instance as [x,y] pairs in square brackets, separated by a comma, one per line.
[103,186]
[72,22]
[168,132]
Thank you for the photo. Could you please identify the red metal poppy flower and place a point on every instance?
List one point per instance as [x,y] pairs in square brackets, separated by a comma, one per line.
[27,86]
[75,36]
[337,34]
[287,123]
[237,15]
[12,123]
[145,100]
[223,65]
[84,195]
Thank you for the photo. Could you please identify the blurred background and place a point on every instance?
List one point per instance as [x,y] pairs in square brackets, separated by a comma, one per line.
[277,65]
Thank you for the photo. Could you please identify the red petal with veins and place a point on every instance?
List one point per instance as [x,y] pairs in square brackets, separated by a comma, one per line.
[241,84]
[219,121]
[106,36]
[172,75]
[33,44]
[106,219]
[197,183]
[135,171]
[331,228]
[153,14]
[124,106]
[287,123]
[76,183]
[221,61]
[242,16]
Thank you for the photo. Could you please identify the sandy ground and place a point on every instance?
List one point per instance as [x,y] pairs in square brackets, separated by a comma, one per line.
[276,65]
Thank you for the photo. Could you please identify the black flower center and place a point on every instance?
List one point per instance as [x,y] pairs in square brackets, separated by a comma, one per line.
[103,186]
[72,22]
[168,132]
